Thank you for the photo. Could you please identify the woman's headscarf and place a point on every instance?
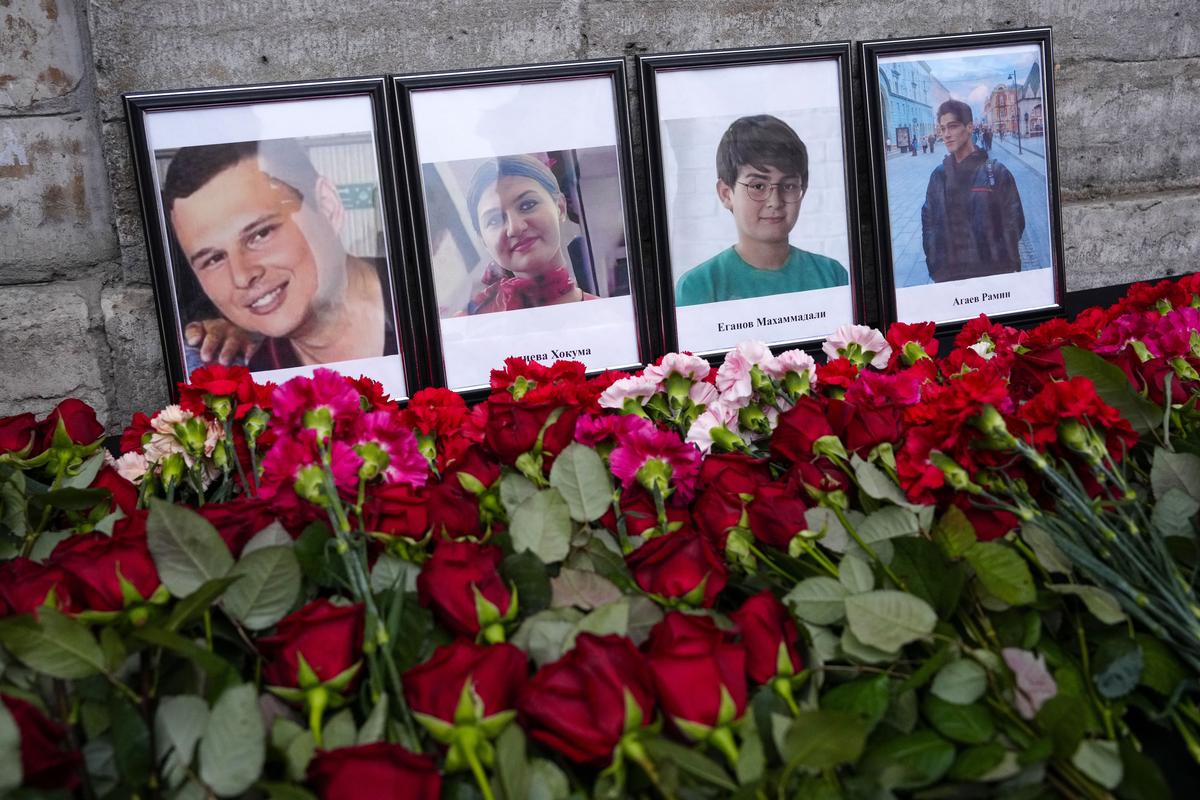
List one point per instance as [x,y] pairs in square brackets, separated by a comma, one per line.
[492,170]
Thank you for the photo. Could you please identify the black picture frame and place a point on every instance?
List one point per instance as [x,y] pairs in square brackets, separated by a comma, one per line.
[418,218]
[384,231]
[653,66]
[952,302]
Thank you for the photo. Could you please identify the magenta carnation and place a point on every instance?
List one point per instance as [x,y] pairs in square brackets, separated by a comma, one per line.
[654,457]
[293,400]
[384,430]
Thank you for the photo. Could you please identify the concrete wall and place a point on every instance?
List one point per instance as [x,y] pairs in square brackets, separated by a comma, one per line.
[76,311]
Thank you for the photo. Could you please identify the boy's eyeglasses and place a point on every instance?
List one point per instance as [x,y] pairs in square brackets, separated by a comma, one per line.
[789,191]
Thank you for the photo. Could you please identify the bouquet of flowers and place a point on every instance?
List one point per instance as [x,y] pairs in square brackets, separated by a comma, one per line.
[896,572]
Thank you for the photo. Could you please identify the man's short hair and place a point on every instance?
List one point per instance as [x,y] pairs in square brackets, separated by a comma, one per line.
[957,109]
[194,166]
[761,141]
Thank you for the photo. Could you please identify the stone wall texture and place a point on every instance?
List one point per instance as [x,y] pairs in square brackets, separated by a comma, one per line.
[76,310]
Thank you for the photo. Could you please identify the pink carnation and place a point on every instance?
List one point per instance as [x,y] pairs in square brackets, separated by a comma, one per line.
[325,389]
[703,394]
[733,378]
[385,430]
[685,364]
[638,448]
[639,387]
[289,456]
[796,361]
[868,342]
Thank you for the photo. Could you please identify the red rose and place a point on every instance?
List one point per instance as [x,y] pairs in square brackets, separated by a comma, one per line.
[478,464]
[864,427]
[769,635]
[124,494]
[576,705]
[691,660]
[96,563]
[989,523]
[372,771]
[820,476]
[238,520]
[512,426]
[329,637]
[777,515]
[733,472]
[45,763]
[682,565]
[131,437]
[78,419]
[450,579]
[453,511]
[398,509]
[799,428]
[639,512]
[24,585]
[17,434]
[717,510]
[497,674]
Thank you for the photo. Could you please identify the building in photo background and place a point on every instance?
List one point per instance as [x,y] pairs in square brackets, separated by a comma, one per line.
[911,94]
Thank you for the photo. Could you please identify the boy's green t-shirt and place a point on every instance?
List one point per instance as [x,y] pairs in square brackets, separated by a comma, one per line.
[726,276]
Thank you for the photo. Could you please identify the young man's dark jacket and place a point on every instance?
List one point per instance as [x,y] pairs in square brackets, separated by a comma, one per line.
[972,220]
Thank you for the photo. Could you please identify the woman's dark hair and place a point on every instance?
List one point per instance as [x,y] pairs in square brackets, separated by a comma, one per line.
[761,141]
[492,170]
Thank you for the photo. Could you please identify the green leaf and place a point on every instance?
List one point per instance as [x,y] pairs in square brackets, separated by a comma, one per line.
[825,738]
[856,575]
[1142,779]
[910,761]
[853,649]
[220,671]
[1103,605]
[1113,387]
[268,587]
[542,525]
[919,563]
[515,489]
[1173,513]
[527,573]
[1118,667]
[187,549]
[131,741]
[273,535]
[889,522]
[581,589]
[876,483]
[13,503]
[392,573]
[969,724]
[543,634]
[340,731]
[608,619]
[45,544]
[752,759]
[1048,553]
[868,697]
[820,600]
[1060,718]
[1100,760]
[87,472]
[974,763]
[233,748]
[962,682]
[1161,671]
[697,765]
[375,728]
[67,500]
[53,644]
[10,751]
[311,550]
[889,619]
[195,604]
[178,725]
[1175,471]
[583,481]
[954,532]
[285,791]
[547,780]
[512,764]
[1002,572]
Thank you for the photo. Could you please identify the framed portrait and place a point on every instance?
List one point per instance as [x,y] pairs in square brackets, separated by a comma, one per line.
[520,192]
[269,219]
[753,190]
[965,176]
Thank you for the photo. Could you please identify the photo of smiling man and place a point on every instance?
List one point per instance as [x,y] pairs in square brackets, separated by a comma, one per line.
[260,230]
[762,169]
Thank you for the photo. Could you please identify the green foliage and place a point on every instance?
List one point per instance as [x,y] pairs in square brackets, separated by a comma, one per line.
[187,550]
[888,619]
[541,524]
[584,482]
[1002,572]
[233,748]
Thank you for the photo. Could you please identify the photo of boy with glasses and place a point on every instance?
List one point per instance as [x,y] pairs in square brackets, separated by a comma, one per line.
[762,176]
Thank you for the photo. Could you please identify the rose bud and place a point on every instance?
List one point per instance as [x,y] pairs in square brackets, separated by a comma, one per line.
[124,493]
[594,699]
[460,583]
[453,511]
[769,635]
[397,509]
[700,676]
[25,585]
[45,763]
[683,567]
[777,515]
[367,771]
[799,428]
[111,573]
[18,434]
[77,422]
[464,695]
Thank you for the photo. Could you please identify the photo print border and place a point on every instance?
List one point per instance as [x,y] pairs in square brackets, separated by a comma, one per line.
[994,303]
[644,333]
[138,107]
[649,67]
